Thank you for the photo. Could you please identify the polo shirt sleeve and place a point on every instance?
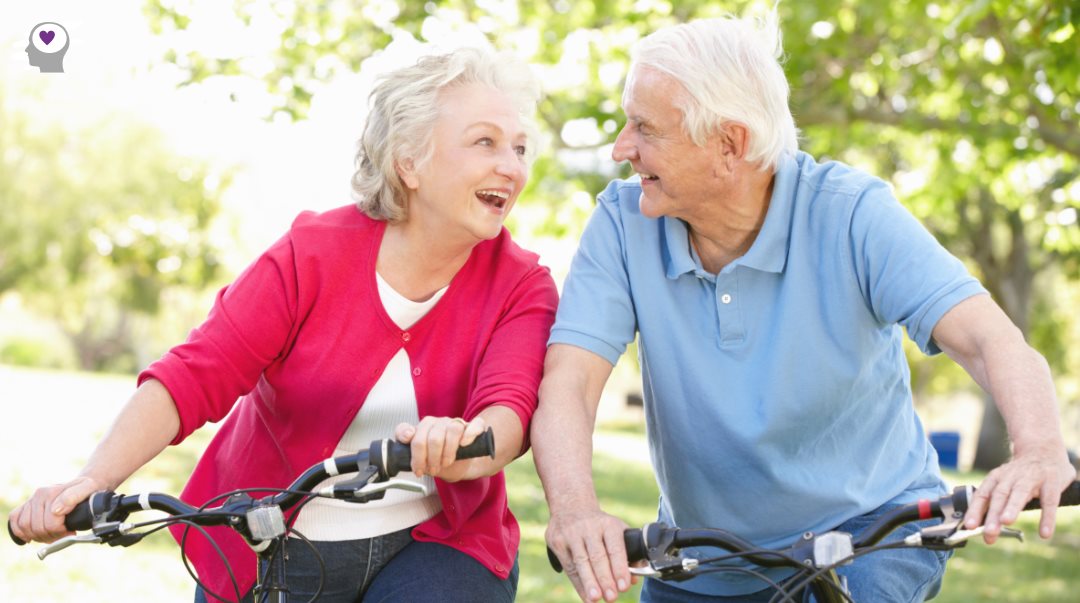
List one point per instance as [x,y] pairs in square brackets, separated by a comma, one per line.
[905,275]
[223,358]
[596,311]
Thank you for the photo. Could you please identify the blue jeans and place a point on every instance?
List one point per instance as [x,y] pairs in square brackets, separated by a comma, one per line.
[891,575]
[393,567]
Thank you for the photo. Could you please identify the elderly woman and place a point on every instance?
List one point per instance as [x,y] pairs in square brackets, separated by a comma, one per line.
[413,313]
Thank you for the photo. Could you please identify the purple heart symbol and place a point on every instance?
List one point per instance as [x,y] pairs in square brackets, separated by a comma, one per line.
[47,36]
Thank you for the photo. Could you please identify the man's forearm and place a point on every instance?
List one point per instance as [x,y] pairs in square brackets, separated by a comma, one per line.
[980,337]
[563,425]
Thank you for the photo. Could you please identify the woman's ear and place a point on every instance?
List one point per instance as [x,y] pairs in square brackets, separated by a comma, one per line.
[406,170]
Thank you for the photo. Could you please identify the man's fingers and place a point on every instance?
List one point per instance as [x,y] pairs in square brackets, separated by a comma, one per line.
[601,566]
[616,549]
[973,518]
[1049,499]
[582,576]
[1022,491]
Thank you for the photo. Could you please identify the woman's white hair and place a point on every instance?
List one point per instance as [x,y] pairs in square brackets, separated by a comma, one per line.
[730,69]
[404,106]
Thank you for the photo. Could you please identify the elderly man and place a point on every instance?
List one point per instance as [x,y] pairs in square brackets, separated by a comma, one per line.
[768,290]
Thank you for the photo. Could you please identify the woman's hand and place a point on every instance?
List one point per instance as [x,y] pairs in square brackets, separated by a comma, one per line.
[42,517]
[435,442]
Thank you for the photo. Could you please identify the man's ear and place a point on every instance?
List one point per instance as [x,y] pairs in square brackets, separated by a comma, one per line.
[406,170]
[733,140]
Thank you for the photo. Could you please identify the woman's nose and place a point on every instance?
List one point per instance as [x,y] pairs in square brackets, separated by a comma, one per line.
[511,165]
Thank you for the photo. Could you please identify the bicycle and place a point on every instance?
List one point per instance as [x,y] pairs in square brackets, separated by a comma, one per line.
[814,557]
[261,521]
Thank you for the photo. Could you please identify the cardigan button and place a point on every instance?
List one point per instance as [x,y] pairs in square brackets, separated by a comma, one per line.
[405,336]
[416,372]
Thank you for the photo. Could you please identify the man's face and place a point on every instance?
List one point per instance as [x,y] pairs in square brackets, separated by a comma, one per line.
[677,176]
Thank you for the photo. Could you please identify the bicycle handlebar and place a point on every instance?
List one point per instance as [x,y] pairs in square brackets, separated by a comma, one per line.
[657,541]
[388,457]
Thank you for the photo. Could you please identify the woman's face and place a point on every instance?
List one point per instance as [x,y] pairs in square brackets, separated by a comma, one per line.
[477,168]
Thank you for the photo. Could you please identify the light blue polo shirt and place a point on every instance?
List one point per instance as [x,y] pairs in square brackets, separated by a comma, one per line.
[777,395]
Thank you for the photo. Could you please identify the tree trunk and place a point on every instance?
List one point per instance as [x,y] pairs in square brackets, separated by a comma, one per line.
[993,448]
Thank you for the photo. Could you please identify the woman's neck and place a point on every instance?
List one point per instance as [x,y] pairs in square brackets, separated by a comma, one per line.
[417,265]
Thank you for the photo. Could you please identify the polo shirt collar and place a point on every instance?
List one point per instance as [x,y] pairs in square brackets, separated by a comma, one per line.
[770,249]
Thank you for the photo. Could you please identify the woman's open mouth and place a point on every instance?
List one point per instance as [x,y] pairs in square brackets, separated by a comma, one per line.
[493,198]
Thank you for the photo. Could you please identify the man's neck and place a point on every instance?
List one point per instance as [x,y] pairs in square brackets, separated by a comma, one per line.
[731,225]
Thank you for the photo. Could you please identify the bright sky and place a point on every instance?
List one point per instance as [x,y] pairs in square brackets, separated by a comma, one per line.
[113,64]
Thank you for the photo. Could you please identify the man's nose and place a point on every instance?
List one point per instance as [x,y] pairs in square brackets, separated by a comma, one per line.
[624,148]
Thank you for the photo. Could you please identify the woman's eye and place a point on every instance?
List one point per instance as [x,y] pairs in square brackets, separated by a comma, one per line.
[520,150]
[487,142]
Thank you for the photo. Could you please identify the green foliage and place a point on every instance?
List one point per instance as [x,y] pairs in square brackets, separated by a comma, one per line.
[969,109]
[99,225]
[26,351]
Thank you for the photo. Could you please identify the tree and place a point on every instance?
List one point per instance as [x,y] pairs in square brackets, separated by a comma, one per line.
[100,226]
[969,109]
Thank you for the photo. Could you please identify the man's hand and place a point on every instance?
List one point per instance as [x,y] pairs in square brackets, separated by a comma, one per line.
[590,547]
[1042,473]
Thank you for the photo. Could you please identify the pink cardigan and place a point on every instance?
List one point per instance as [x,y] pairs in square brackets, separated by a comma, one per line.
[301,337]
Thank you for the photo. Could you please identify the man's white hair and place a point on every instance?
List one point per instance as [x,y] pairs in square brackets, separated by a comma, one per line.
[730,70]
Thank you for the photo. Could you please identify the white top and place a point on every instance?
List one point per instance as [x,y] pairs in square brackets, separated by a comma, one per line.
[391,401]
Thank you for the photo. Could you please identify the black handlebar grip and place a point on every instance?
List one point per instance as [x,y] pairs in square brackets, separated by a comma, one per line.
[553,559]
[1069,498]
[634,540]
[14,538]
[82,516]
[483,445]
[399,456]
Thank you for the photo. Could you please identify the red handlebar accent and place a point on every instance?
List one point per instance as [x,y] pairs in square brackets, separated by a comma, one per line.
[924,509]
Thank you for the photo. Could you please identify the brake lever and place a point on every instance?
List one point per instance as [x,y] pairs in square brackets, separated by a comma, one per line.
[686,565]
[393,484]
[961,536]
[65,542]
[646,571]
[372,490]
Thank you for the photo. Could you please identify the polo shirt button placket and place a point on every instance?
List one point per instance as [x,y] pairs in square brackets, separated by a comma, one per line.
[727,310]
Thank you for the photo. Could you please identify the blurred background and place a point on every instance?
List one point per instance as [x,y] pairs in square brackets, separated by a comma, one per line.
[183,136]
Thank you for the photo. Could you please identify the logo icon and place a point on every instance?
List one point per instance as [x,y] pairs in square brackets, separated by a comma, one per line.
[48,43]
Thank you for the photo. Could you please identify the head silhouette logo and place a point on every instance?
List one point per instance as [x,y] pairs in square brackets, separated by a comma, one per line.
[48,43]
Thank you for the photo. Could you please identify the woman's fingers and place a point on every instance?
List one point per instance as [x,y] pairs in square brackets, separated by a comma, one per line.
[435,441]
